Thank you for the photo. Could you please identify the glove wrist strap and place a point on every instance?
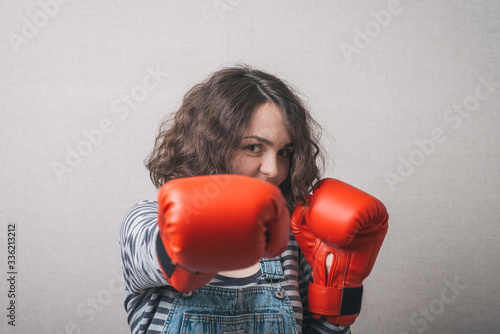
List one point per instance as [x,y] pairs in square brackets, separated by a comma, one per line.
[165,261]
[330,301]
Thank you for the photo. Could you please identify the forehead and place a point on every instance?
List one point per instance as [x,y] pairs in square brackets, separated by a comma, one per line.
[268,122]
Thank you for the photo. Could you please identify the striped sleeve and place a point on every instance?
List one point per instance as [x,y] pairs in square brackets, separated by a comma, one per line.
[138,233]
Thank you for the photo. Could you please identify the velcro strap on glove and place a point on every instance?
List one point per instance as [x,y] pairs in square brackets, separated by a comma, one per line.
[326,300]
[165,261]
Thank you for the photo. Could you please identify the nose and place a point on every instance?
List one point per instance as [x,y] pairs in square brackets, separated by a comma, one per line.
[270,167]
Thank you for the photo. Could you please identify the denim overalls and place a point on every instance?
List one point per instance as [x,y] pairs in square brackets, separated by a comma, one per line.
[218,310]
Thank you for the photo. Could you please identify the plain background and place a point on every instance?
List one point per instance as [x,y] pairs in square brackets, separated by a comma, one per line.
[408,95]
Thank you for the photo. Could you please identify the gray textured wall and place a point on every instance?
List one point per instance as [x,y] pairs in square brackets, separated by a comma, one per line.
[408,93]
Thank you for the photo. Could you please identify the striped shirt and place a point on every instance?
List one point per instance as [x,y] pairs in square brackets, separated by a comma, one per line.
[149,297]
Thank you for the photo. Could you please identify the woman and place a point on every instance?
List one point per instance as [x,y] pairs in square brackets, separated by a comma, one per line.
[239,121]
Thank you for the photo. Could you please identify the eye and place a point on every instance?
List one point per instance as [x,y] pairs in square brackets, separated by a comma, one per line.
[254,148]
[285,154]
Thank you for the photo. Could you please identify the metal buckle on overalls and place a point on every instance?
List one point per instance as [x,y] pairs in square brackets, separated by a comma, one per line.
[273,272]
[279,294]
[188,295]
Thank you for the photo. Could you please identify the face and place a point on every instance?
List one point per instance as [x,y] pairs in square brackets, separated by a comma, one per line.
[266,148]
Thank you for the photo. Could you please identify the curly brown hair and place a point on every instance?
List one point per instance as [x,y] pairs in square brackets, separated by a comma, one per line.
[202,136]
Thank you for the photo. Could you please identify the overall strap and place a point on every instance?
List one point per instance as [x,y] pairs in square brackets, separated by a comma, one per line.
[272,270]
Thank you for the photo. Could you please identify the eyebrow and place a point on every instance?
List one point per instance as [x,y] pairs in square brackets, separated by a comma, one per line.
[266,141]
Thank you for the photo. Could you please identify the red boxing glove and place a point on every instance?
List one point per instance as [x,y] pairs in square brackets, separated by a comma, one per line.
[213,223]
[351,225]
